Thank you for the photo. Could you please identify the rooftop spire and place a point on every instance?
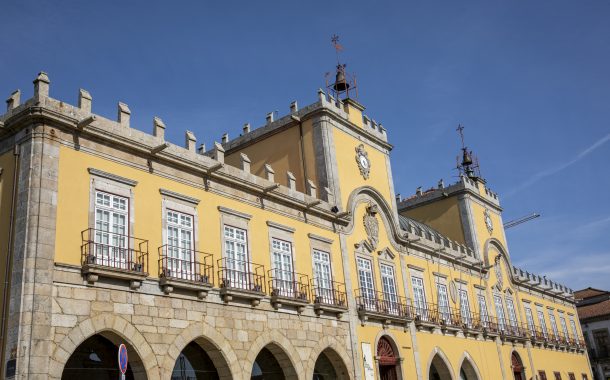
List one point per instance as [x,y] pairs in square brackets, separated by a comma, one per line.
[469,166]
[344,82]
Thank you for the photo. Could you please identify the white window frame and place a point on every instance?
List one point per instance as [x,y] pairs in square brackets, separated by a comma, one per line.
[500,315]
[529,317]
[542,321]
[322,266]
[237,268]
[112,245]
[464,306]
[419,297]
[483,313]
[553,322]
[283,277]
[366,282]
[390,292]
[444,307]
[181,256]
[512,313]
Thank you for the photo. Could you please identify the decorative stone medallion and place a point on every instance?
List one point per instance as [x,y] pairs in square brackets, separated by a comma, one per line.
[488,222]
[362,159]
[371,225]
[453,291]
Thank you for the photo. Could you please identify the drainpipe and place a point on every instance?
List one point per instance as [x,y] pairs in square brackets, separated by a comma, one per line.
[9,251]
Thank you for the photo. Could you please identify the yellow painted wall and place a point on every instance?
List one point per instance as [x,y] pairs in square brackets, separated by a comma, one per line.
[354,115]
[7,163]
[442,215]
[481,229]
[283,152]
[73,207]
[349,174]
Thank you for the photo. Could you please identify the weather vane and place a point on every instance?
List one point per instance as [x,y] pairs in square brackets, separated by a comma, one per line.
[338,47]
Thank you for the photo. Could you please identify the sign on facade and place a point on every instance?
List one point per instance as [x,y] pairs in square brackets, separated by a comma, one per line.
[123,360]
[369,365]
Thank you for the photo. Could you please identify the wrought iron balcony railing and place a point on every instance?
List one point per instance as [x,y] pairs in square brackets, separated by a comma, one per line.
[241,275]
[288,284]
[114,251]
[369,301]
[194,266]
[329,293]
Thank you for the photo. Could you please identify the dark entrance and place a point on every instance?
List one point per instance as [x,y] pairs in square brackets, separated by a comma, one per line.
[96,359]
[387,359]
[324,369]
[266,367]
[194,363]
[517,365]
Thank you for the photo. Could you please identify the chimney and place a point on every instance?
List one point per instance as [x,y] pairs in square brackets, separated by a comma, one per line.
[84,100]
[269,173]
[158,128]
[124,115]
[41,86]
[14,100]
[292,181]
[246,128]
[190,141]
[245,162]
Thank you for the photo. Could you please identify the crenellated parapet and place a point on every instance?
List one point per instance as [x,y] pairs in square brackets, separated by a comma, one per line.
[541,284]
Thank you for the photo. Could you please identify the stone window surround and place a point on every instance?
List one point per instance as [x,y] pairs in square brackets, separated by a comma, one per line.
[183,204]
[373,274]
[285,233]
[236,219]
[416,271]
[322,244]
[381,261]
[116,185]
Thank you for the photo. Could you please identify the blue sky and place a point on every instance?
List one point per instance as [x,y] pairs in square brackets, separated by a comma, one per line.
[529,80]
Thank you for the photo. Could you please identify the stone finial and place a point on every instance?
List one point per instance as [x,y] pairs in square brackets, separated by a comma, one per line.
[245,162]
[41,86]
[367,121]
[84,100]
[292,181]
[14,100]
[312,189]
[269,173]
[219,153]
[225,138]
[373,124]
[190,141]
[270,118]
[246,128]
[441,184]
[321,95]
[418,191]
[201,149]
[398,198]
[329,196]
[124,114]
[158,128]
[294,107]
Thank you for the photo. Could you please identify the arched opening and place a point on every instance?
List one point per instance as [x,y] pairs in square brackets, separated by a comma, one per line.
[517,366]
[96,359]
[388,360]
[272,363]
[467,371]
[439,369]
[194,363]
[329,366]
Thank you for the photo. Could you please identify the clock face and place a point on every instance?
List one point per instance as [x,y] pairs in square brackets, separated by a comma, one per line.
[488,222]
[364,162]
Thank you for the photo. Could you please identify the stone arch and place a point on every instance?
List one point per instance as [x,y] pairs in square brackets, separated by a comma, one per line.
[470,368]
[335,352]
[114,328]
[517,368]
[392,340]
[441,363]
[213,342]
[287,356]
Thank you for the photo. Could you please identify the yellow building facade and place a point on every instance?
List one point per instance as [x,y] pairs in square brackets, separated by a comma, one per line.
[280,254]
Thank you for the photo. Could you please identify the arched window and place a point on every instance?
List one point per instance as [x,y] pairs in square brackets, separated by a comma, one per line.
[389,363]
[517,366]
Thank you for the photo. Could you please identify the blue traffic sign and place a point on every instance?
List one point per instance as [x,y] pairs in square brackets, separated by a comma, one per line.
[123,358]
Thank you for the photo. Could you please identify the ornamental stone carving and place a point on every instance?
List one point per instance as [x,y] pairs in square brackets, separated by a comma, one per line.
[362,159]
[371,225]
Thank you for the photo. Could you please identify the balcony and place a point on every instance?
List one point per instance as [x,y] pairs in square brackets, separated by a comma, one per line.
[514,331]
[241,280]
[490,325]
[383,307]
[538,336]
[427,316]
[113,255]
[187,274]
[288,288]
[471,323]
[329,297]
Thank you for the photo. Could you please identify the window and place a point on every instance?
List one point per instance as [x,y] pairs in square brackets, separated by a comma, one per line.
[542,375]
[510,307]
[571,376]
[322,275]
[365,277]
[464,307]
[601,342]
[180,258]
[574,330]
[542,322]
[564,326]
[553,323]
[499,311]
[443,301]
[236,254]
[483,309]
[557,375]
[530,318]
[283,274]
[111,230]
[419,295]
[584,376]
[389,288]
